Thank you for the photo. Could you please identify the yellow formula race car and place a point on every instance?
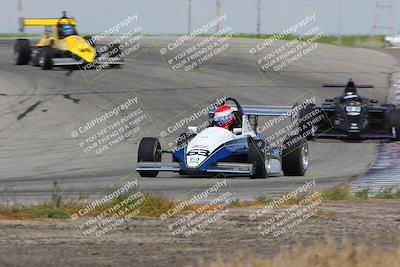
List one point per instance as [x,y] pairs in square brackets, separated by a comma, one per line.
[62,46]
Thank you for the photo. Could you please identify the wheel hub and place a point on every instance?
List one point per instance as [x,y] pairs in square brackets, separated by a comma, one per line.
[304,155]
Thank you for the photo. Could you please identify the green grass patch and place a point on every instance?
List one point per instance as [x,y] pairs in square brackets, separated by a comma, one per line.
[339,192]
[151,205]
[363,193]
[353,40]
[342,192]
[388,193]
[34,212]
[263,198]
[148,205]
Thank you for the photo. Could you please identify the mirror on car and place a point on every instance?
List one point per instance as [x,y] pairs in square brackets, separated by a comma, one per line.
[237,131]
[373,101]
[192,129]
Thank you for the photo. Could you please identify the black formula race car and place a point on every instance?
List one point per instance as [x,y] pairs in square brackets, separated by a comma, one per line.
[351,116]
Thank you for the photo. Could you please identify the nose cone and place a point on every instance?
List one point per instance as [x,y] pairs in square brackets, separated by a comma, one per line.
[81,48]
[204,144]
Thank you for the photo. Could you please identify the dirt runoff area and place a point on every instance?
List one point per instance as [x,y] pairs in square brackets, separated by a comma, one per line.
[153,242]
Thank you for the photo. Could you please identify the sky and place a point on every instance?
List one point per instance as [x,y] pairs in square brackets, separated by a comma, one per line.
[170,16]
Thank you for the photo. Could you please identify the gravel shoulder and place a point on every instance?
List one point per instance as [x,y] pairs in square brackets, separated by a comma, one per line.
[147,241]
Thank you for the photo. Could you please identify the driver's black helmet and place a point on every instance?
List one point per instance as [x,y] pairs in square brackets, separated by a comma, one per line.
[350,88]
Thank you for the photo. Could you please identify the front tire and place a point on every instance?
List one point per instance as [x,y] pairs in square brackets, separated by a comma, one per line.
[46,57]
[35,57]
[149,150]
[22,52]
[295,157]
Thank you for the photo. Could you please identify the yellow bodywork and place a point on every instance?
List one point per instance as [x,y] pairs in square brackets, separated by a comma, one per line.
[75,44]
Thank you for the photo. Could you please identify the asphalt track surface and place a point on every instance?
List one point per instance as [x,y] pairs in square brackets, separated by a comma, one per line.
[38,106]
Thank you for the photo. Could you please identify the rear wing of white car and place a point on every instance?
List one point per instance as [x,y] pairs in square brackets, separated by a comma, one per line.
[263,110]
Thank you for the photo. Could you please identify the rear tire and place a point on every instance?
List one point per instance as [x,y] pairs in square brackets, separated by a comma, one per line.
[149,150]
[46,57]
[295,157]
[257,156]
[395,122]
[22,52]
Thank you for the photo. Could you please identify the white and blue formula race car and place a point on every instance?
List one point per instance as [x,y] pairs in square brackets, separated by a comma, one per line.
[242,151]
